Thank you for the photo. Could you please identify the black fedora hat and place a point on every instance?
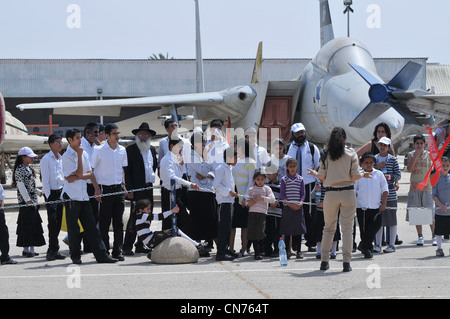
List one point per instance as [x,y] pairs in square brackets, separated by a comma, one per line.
[144,127]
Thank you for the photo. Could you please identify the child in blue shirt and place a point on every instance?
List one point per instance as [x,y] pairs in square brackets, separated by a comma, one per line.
[441,197]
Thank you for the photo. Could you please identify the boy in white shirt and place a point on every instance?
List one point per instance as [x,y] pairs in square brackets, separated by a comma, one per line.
[371,197]
[225,194]
[77,170]
[52,183]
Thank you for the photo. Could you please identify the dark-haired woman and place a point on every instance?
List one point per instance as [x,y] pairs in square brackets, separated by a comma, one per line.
[381,129]
[338,172]
[29,223]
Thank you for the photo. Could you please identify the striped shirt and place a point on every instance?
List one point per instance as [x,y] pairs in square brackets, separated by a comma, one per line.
[390,168]
[243,175]
[143,222]
[292,188]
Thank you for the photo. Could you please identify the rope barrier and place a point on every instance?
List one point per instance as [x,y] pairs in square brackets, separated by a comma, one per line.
[153,187]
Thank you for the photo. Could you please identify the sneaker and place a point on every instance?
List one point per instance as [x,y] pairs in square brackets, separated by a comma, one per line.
[420,241]
[434,241]
[389,249]
[377,249]
[9,262]
[439,253]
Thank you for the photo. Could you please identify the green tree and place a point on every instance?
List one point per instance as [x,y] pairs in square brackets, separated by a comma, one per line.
[160,56]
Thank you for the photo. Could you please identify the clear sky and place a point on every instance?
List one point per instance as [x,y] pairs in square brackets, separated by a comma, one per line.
[135,29]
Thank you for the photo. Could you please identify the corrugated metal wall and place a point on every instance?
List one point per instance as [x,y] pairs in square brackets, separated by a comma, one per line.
[126,78]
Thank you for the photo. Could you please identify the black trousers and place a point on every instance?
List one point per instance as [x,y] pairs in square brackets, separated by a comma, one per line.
[4,237]
[225,216]
[82,210]
[54,217]
[95,205]
[130,236]
[369,222]
[310,215]
[111,209]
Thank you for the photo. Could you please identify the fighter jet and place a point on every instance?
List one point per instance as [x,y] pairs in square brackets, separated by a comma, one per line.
[339,87]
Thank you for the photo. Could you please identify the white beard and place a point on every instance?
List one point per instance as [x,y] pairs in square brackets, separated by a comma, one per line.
[143,146]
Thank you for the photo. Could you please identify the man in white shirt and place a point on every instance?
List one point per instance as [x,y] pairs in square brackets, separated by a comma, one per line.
[108,161]
[140,173]
[307,155]
[260,154]
[171,127]
[90,140]
[172,166]
[77,170]
[216,144]
[52,183]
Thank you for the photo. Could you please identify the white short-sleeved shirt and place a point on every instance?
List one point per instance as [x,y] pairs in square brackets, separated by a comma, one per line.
[76,190]
[108,164]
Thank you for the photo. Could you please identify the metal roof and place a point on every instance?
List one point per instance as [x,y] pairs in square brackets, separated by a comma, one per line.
[438,76]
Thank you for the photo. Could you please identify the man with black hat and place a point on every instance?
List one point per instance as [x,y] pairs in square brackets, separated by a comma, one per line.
[140,173]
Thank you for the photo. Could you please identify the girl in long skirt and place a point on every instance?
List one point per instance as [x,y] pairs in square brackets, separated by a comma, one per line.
[29,222]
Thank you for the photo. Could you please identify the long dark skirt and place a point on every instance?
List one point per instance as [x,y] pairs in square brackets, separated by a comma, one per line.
[29,227]
[203,211]
[292,222]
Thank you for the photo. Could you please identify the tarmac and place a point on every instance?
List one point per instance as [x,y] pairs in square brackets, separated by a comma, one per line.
[410,272]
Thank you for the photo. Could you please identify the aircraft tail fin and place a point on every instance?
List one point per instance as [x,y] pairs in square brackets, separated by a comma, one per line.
[257,69]
[326,26]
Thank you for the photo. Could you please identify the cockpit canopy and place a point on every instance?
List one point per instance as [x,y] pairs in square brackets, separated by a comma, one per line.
[335,55]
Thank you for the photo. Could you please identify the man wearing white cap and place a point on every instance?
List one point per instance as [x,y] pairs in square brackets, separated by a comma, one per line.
[307,155]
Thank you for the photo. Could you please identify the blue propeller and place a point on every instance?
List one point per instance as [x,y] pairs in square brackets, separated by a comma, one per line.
[381,95]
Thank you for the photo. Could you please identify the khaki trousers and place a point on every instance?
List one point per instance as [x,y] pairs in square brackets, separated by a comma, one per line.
[335,202]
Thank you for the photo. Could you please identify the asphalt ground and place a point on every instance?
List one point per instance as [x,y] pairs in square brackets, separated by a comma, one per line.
[410,272]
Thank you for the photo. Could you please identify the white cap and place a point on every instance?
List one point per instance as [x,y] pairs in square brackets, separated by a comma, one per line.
[27,151]
[297,127]
[250,130]
[384,140]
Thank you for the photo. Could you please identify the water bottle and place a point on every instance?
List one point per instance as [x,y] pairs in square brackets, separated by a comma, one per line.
[282,252]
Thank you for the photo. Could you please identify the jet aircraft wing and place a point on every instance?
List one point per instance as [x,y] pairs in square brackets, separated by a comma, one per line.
[237,100]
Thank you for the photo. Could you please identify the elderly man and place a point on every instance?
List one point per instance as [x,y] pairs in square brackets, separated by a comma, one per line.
[140,173]
[307,155]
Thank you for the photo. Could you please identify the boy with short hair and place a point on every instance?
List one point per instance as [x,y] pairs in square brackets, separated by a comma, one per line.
[371,198]
[225,194]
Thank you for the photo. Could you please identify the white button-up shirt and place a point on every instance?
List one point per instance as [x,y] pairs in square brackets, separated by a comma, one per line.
[224,183]
[198,165]
[307,160]
[76,190]
[369,190]
[51,173]
[171,169]
[148,166]
[108,164]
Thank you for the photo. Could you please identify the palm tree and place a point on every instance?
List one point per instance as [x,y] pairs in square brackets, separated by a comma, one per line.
[160,56]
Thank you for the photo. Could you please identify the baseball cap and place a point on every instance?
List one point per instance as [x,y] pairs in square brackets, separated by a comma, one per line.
[298,127]
[384,140]
[27,152]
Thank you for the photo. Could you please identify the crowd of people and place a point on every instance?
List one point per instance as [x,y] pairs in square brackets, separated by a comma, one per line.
[215,186]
